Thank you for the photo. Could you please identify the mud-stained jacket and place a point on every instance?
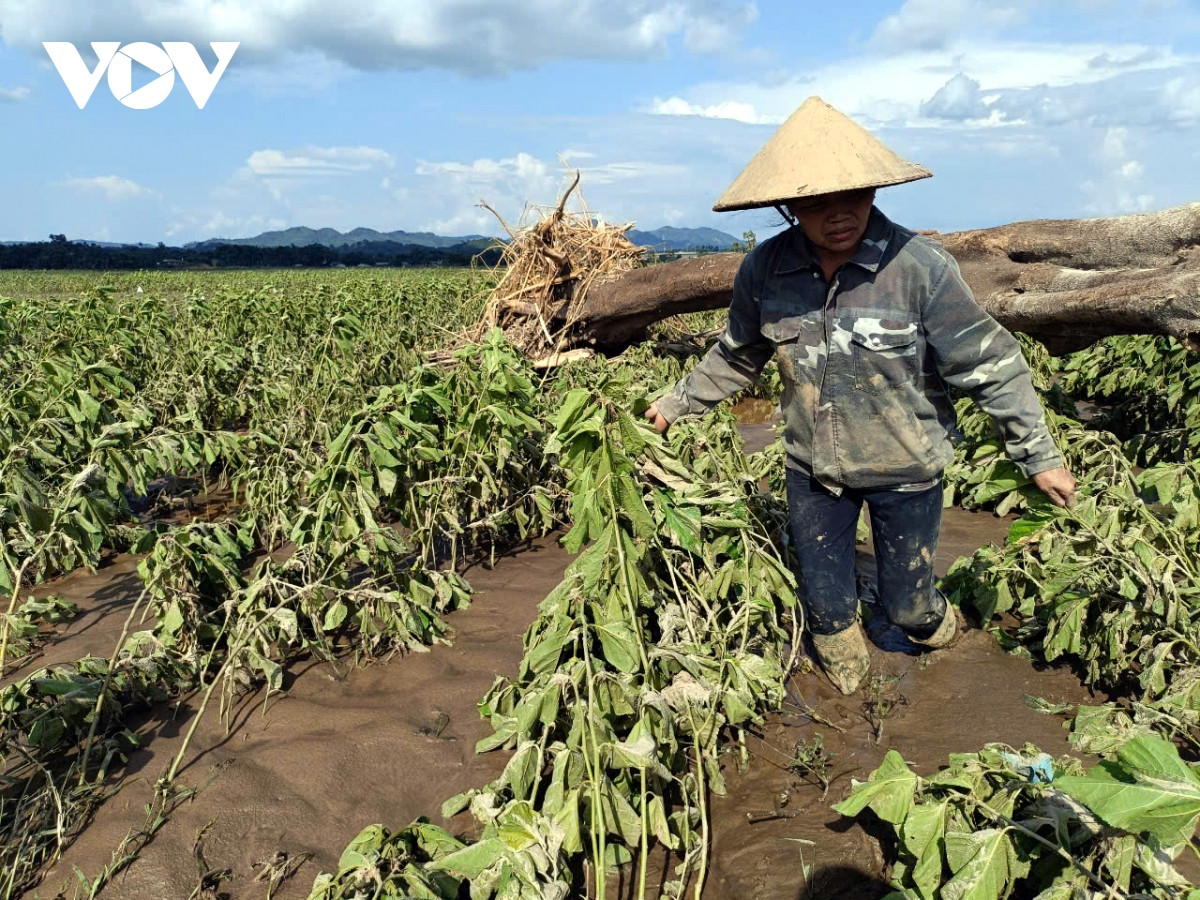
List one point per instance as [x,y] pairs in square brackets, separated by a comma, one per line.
[866,360]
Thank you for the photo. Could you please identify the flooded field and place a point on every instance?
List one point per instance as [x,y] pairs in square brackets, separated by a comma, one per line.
[302,772]
[288,564]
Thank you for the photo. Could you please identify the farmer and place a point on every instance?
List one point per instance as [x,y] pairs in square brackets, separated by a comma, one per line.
[871,325]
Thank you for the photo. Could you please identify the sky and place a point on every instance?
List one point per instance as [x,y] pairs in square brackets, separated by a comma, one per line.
[406,114]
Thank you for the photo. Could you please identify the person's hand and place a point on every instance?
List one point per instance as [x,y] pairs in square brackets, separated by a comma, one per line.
[1057,484]
[657,419]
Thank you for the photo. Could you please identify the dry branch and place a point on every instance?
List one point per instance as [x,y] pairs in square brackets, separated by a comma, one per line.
[546,270]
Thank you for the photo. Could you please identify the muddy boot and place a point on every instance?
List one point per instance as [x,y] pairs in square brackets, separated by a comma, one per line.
[844,657]
[946,633]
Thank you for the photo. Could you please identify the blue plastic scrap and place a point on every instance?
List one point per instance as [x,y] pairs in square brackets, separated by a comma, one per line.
[1036,769]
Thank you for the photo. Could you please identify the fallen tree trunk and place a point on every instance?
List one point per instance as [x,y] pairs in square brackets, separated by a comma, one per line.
[1067,283]
[617,309]
[1139,303]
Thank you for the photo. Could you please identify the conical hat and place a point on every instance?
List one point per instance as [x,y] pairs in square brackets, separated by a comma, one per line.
[816,151]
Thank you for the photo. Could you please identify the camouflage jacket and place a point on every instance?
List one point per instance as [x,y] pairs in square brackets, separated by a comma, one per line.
[867,359]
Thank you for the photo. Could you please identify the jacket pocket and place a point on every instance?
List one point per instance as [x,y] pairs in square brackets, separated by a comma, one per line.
[781,330]
[797,341]
[885,359]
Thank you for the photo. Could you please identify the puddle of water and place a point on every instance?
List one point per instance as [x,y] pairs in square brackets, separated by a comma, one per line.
[758,422]
[755,411]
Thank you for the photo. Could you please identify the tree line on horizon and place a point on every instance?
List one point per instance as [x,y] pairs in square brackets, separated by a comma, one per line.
[60,253]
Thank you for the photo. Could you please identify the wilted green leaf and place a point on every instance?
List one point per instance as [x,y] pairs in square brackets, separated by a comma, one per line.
[984,863]
[1147,790]
[889,791]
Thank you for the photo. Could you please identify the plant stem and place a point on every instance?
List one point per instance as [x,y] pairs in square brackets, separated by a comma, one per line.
[12,603]
[645,841]
[108,675]
[701,789]
[234,650]
[599,837]
[634,619]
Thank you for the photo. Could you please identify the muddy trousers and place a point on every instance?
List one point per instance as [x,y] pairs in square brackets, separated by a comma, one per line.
[905,527]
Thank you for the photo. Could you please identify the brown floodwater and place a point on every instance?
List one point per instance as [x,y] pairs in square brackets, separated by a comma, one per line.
[335,752]
[758,422]
[338,750]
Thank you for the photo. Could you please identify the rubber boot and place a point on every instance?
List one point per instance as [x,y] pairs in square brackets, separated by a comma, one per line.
[946,633]
[844,657]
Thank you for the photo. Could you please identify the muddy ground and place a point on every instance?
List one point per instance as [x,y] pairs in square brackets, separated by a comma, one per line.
[340,750]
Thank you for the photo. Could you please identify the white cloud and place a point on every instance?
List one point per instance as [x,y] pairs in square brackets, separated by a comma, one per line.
[728,109]
[467,220]
[520,170]
[453,190]
[674,215]
[1001,82]
[338,187]
[1131,169]
[1114,147]
[114,187]
[510,185]
[537,177]
[959,98]
[16,93]
[1119,186]
[714,33]
[933,24]
[317,162]
[1181,97]
[616,172]
[463,35]
[1122,6]
[219,224]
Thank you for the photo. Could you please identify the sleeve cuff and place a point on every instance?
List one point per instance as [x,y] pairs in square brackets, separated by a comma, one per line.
[1031,467]
[672,406]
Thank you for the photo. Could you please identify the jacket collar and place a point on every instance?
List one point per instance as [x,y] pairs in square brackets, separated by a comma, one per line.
[797,253]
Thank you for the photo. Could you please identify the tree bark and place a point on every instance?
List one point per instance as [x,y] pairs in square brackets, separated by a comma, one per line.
[617,309]
[1067,283]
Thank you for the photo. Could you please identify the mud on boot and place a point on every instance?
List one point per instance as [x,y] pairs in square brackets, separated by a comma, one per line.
[844,657]
[946,634]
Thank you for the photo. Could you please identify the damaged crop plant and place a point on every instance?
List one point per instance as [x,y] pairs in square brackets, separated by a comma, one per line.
[355,477]
[125,399]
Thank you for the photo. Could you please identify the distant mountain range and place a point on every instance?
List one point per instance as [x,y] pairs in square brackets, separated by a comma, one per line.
[331,237]
[681,238]
[660,239]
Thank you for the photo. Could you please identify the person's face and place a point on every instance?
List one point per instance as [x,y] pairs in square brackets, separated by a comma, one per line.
[834,222]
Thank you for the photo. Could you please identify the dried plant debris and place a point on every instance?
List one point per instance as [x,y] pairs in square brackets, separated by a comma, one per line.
[545,271]
[278,868]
